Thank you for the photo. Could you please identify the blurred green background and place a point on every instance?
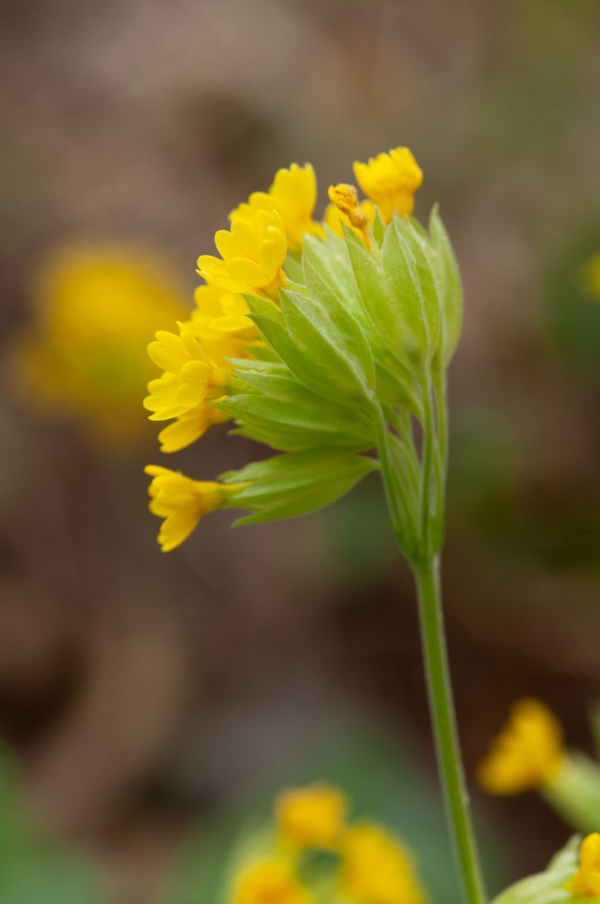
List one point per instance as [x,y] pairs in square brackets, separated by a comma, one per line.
[156,701]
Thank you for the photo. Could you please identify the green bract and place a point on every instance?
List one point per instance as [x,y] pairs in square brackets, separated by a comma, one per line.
[547,887]
[354,357]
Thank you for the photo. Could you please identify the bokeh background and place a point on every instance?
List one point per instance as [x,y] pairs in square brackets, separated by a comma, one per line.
[151,699]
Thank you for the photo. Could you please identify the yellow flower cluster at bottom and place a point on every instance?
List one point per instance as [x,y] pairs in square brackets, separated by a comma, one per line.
[371,866]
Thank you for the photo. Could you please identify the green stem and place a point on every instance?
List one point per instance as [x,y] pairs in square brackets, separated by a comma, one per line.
[444,725]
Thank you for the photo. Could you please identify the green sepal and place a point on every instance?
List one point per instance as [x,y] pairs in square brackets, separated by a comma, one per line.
[293,267]
[419,243]
[378,228]
[296,483]
[547,887]
[295,418]
[450,284]
[381,308]
[574,792]
[263,308]
[325,328]
[330,261]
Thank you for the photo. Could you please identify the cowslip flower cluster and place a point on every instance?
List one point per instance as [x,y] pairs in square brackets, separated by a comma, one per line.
[368,864]
[323,341]
[530,754]
[82,356]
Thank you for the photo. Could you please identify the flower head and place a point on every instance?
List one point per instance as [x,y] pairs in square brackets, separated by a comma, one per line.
[390,180]
[270,881]
[312,816]
[252,253]
[527,753]
[376,868]
[182,501]
[293,194]
[586,881]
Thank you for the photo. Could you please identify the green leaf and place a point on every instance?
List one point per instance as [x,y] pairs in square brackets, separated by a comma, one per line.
[296,483]
[450,285]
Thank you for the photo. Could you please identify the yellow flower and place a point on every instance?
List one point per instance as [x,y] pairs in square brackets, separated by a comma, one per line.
[293,194]
[190,377]
[590,276]
[390,180]
[218,312]
[586,881]
[312,816]
[190,426]
[182,502]
[270,881]
[377,869]
[252,253]
[527,753]
[84,355]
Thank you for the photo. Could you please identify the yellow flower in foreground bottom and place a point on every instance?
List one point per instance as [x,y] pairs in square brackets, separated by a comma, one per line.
[271,881]
[182,501]
[312,816]
[377,869]
[586,881]
[390,180]
[527,753]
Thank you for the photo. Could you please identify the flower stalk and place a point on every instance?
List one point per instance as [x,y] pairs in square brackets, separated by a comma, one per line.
[425,563]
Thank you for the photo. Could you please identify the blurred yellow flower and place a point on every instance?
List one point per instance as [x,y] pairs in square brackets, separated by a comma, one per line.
[376,868]
[586,881]
[84,355]
[294,195]
[390,180]
[182,501]
[590,276]
[527,753]
[270,881]
[312,816]
[252,253]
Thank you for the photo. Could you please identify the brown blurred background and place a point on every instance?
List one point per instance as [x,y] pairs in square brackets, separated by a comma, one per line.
[139,689]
